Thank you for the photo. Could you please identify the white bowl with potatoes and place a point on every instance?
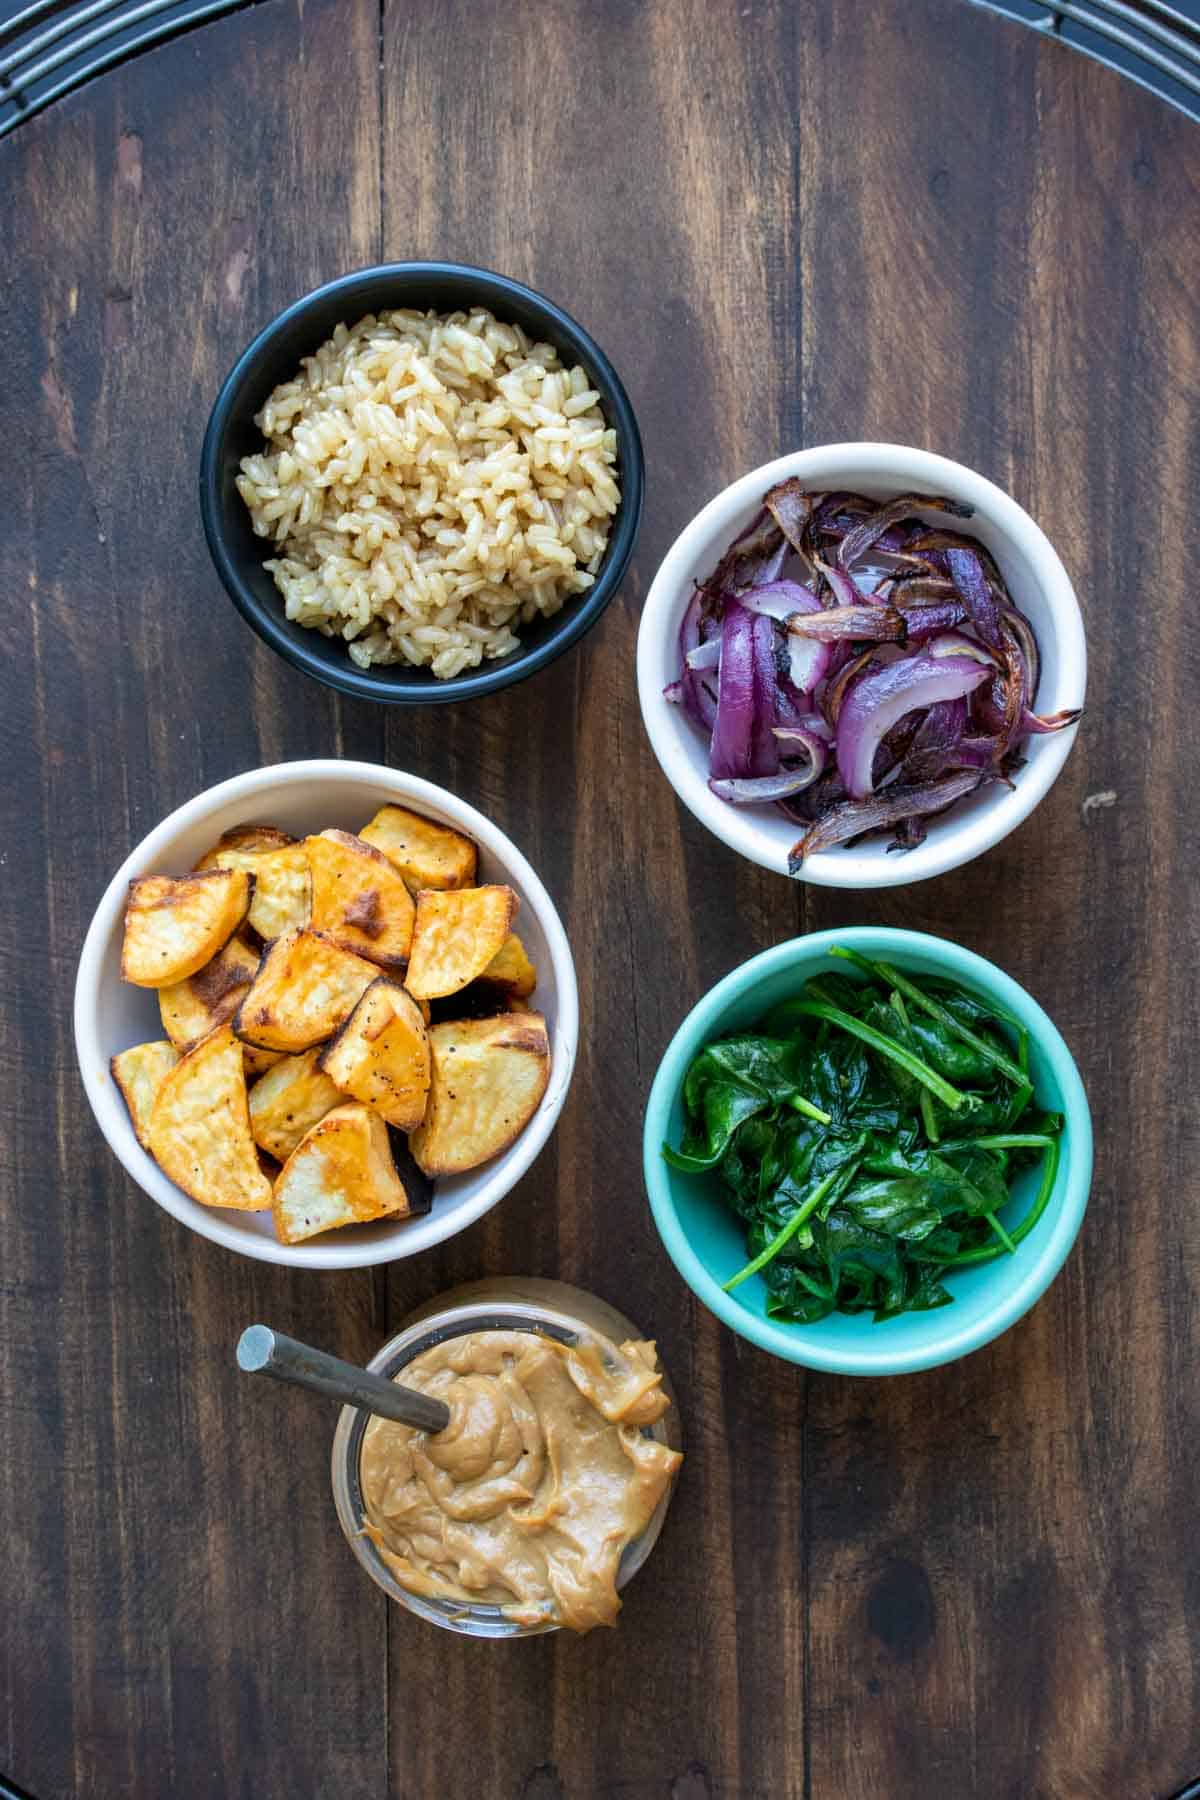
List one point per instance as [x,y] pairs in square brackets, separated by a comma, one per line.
[326,1014]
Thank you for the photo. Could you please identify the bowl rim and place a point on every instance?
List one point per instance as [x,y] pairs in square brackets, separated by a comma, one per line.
[109,1110]
[404,688]
[1072,1184]
[904,467]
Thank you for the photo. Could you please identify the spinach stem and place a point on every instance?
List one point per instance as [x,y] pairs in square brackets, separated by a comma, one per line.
[1020,1100]
[1007,1140]
[809,1110]
[817,987]
[1023,1095]
[807,1206]
[928,1116]
[814,1287]
[885,973]
[886,1046]
[1041,1202]
[1000,1232]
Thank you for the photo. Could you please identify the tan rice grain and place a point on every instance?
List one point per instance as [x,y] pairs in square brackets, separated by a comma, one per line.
[432,483]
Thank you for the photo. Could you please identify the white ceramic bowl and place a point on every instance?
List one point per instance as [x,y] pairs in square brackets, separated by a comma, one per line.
[1037,581]
[301,797]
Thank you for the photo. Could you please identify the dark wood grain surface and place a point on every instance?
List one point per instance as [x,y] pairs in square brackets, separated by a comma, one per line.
[787,224]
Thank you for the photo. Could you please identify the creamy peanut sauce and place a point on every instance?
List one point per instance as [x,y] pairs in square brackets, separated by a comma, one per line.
[542,1477]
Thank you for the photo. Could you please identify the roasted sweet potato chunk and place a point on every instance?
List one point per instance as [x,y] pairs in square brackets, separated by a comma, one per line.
[173,927]
[455,937]
[237,849]
[358,899]
[488,1077]
[258,1061]
[511,968]
[341,1173]
[199,1131]
[306,988]
[139,1074]
[381,1055]
[289,1100]
[282,891]
[191,1009]
[427,855]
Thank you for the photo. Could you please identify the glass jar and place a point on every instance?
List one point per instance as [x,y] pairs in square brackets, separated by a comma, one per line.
[508,1303]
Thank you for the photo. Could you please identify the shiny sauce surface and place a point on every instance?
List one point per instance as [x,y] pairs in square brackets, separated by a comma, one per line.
[528,1498]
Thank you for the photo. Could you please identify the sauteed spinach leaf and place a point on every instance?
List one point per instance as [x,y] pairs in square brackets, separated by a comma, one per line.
[868,1135]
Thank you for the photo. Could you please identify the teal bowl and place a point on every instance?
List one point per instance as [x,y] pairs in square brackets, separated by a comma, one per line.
[705,1240]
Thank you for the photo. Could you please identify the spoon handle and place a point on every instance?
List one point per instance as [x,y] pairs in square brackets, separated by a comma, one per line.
[261,1350]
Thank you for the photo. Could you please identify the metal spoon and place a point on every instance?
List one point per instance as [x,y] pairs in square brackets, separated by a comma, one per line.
[263,1351]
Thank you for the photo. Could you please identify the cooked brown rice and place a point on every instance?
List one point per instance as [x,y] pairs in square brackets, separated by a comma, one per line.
[432,483]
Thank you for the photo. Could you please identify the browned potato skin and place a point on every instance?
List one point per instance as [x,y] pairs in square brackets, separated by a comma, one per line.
[450,1140]
[455,936]
[158,893]
[480,999]
[358,898]
[246,838]
[427,854]
[381,1055]
[293,963]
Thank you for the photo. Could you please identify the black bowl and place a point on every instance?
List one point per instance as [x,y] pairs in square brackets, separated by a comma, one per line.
[275,356]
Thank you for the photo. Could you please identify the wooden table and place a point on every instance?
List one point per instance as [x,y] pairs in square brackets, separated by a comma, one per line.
[787,224]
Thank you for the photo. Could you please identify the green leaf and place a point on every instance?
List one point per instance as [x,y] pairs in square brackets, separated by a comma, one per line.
[961,1014]
[947,1053]
[923,1292]
[885,1046]
[984,1173]
[1018,1233]
[729,1082]
[900,1207]
[970,1181]
[832,1167]
[802,1212]
[724,1106]
[751,1146]
[798,1306]
[861,1172]
[763,1065]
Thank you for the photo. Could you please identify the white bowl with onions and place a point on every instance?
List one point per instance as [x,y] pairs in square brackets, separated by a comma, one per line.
[1005,581]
